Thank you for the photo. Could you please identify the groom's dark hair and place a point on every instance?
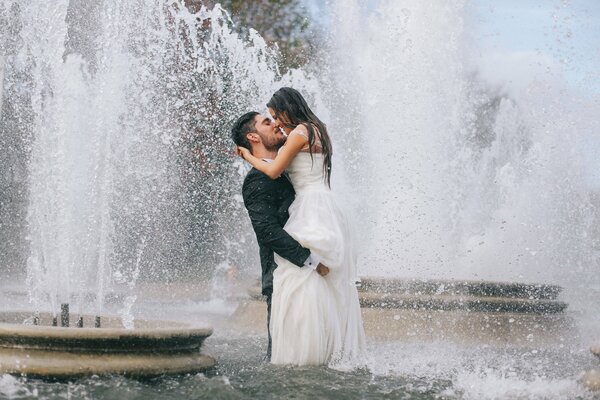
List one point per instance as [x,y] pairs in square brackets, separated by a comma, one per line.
[243,126]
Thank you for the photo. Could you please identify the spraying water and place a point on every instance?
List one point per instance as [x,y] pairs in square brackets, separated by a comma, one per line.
[130,168]
[121,110]
[459,180]
[130,164]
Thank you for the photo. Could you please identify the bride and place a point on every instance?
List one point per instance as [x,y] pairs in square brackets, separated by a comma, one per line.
[315,319]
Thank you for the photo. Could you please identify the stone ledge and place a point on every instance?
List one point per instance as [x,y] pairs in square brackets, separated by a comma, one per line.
[460,287]
[156,336]
[472,296]
[591,380]
[160,347]
[390,324]
[102,340]
[460,302]
[56,364]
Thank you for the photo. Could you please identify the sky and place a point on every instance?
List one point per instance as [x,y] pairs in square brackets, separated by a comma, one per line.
[566,33]
[562,33]
[534,35]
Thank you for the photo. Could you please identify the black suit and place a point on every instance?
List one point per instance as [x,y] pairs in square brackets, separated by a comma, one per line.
[267,201]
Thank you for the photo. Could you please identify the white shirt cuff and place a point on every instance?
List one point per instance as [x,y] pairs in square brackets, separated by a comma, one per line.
[312,261]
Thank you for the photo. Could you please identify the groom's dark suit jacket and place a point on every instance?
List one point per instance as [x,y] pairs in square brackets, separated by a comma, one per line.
[267,201]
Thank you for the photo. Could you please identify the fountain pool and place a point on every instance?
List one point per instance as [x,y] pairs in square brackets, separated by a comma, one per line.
[121,195]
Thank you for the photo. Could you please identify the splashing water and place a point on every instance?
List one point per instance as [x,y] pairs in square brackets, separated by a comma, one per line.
[123,110]
[130,164]
[457,180]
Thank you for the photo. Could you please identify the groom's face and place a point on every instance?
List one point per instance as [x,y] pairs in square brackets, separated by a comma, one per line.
[271,136]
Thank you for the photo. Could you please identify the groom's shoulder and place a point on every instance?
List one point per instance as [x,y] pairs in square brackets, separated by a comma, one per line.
[253,176]
[259,181]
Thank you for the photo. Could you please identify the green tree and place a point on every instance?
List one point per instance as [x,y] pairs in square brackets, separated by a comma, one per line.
[283,23]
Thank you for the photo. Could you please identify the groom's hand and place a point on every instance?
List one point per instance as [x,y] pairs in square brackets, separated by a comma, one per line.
[322,270]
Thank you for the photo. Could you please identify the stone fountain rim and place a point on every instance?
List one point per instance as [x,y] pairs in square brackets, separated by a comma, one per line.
[168,347]
[375,278]
[100,333]
[172,331]
[163,339]
[475,288]
[173,328]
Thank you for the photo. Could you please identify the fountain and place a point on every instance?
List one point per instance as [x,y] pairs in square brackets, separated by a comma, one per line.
[117,189]
[477,264]
[82,84]
[153,348]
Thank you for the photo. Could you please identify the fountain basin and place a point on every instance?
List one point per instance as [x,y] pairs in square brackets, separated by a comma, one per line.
[447,295]
[462,287]
[152,348]
[471,312]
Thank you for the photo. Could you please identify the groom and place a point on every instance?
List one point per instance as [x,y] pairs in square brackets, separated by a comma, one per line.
[267,201]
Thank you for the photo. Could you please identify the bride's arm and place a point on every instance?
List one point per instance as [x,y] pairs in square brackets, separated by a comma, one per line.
[292,146]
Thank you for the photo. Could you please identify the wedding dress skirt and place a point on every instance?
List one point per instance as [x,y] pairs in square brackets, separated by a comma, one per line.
[316,320]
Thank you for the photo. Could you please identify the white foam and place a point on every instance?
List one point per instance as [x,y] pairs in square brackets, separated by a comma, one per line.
[492,384]
[11,387]
[484,372]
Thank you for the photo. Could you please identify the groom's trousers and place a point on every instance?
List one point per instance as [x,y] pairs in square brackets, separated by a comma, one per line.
[269,326]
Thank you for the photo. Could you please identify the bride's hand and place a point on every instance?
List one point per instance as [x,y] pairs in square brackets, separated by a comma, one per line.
[242,152]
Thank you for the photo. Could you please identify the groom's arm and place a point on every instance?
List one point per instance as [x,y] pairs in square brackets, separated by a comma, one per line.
[258,199]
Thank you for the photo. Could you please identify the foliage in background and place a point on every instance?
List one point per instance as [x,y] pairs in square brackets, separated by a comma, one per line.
[282,23]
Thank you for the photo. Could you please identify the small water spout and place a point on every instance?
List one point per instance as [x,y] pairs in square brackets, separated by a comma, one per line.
[64,315]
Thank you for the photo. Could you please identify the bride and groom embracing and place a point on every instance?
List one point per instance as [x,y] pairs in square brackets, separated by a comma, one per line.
[306,251]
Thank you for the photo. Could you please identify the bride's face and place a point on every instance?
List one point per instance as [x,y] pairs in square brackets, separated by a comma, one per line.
[280,121]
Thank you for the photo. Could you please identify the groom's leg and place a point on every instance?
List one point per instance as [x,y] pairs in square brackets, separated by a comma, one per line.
[269,327]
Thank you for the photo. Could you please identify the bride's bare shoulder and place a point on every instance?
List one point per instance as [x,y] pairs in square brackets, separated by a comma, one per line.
[300,130]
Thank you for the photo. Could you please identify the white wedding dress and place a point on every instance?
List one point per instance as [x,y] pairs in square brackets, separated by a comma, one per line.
[316,320]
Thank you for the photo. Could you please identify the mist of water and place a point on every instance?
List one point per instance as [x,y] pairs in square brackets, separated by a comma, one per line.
[456,179]
[125,109]
[119,113]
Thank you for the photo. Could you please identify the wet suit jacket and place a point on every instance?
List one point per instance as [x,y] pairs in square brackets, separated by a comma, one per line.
[267,201]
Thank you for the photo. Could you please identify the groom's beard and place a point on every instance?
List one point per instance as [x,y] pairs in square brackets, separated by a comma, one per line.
[276,144]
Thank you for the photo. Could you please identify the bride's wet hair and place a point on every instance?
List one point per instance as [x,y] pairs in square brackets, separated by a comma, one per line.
[292,110]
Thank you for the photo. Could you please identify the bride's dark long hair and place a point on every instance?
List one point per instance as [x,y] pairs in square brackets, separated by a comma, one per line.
[292,110]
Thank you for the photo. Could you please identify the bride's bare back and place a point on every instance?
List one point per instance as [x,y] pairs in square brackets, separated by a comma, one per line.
[317,147]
